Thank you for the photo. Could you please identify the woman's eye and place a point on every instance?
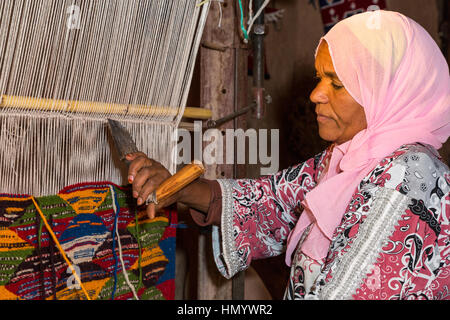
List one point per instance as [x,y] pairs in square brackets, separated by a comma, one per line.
[336,86]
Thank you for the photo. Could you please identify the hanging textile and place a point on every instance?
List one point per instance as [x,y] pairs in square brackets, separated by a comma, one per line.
[118,253]
[333,11]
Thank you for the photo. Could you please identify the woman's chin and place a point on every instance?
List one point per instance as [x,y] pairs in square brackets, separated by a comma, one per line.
[327,136]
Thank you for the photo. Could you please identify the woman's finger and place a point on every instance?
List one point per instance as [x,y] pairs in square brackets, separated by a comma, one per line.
[151,212]
[149,186]
[134,155]
[136,165]
[139,184]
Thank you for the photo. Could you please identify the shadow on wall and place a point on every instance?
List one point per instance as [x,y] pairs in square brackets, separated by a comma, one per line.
[299,134]
[301,130]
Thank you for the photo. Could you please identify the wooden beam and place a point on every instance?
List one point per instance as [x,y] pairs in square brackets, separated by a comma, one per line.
[41,104]
[223,78]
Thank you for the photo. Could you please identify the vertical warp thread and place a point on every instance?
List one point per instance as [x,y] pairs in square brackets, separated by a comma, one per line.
[135,63]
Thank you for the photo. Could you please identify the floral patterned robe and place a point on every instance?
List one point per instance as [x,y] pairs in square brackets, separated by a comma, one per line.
[393,241]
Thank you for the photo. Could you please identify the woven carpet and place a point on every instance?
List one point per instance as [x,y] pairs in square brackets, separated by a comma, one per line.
[86,219]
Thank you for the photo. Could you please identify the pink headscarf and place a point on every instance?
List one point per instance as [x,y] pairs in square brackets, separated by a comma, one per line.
[393,68]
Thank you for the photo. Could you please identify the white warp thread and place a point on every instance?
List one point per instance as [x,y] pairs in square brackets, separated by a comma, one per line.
[134,52]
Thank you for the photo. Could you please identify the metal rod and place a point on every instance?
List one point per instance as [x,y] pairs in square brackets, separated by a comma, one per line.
[258,61]
[238,281]
[215,123]
[258,47]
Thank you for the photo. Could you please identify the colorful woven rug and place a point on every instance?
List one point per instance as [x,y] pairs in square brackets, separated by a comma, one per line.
[101,232]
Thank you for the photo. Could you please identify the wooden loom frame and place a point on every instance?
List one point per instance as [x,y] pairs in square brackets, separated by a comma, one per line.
[41,104]
[223,60]
[223,86]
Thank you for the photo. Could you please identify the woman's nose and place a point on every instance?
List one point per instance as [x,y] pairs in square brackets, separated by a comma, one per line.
[319,94]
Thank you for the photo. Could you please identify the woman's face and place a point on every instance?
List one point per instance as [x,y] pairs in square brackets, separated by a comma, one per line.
[339,116]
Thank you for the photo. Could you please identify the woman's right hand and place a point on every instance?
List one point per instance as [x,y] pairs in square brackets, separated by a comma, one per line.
[145,175]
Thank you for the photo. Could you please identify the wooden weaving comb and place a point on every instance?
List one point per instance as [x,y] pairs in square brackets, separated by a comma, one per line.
[126,145]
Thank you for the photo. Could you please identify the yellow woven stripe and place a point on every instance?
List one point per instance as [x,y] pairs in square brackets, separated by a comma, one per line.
[93,288]
[14,198]
[9,237]
[149,256]
[156,219]
[5,294]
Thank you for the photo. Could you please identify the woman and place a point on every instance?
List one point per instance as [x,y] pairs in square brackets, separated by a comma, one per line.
[368,218]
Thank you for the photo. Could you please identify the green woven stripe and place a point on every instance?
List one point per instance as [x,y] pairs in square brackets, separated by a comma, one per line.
[150,233]
[9,261]
[51,206]
[152,293]
[123,288]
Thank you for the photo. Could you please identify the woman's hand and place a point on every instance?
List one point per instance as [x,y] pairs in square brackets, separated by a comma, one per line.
[146,175]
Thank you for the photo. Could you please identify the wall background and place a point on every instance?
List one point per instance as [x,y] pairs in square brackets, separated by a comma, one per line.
[290,46]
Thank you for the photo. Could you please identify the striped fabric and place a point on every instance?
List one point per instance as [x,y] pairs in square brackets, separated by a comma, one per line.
[86,219]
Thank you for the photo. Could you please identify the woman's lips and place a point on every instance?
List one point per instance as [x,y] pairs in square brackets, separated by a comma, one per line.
[322,118]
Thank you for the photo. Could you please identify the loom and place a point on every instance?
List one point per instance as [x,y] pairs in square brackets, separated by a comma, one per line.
[68,66]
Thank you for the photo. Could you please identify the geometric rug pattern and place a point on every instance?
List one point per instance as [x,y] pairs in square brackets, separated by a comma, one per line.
[116,250]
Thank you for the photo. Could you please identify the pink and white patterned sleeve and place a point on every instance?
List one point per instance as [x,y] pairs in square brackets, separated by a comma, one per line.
[394,240]
[258,214]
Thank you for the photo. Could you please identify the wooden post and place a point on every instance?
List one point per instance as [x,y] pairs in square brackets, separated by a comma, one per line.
[223,78]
